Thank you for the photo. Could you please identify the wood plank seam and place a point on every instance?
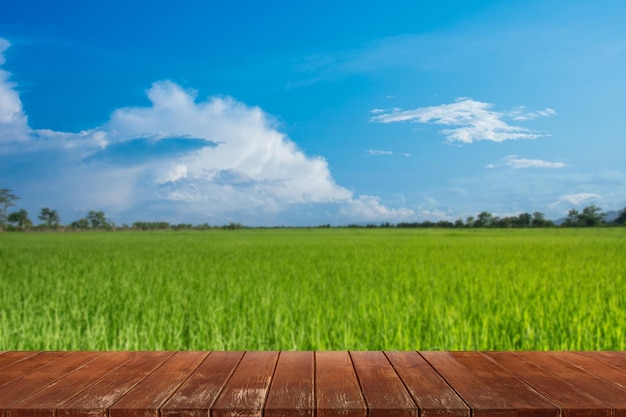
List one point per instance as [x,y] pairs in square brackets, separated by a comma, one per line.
[269,388]
[522,381]
[448,383]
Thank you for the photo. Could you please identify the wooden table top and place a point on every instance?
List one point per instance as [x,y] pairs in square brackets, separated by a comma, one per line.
[312,384]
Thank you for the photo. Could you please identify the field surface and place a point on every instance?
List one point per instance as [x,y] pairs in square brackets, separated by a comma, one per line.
[314,289]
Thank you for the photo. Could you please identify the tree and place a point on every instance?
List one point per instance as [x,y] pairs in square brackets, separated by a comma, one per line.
[621,217]
[49,217]
[485,219]
[591,216]
[97,219]
[20,218]
[539,220]
[524,220]
[6,200]
[80,224]
[573,216]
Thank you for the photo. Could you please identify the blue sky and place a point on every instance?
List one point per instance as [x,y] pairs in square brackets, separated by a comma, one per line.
[274,113]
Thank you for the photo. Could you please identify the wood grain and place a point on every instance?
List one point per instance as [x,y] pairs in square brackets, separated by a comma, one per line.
[429,390]
[45,401]
[196,396]
[292,391]
[245,393]
[337,388]
[313,384]
[99,397]
[586,382]
[145,399]
[572,401]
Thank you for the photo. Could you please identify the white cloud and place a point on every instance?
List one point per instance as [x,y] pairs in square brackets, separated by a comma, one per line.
[179,159]
[473,121]
[13,121]
[512,161]
[576,199]
[369,208]
[521,114]
[377,152]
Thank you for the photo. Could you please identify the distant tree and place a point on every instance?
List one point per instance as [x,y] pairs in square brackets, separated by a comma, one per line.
[97,219]
[591,216]
[458,223]
[6,200]
[471,221]
[20,218]
[539,220]
[572,219]
[80,224]
[50,217]
[485,219]
[524,220]
[621,217]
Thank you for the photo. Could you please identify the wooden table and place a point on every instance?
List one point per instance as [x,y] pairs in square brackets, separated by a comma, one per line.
[312,384]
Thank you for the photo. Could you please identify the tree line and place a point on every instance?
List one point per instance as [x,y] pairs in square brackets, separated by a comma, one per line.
[19,220]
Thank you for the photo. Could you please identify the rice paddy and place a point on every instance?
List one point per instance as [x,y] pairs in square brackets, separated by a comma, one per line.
[314,289]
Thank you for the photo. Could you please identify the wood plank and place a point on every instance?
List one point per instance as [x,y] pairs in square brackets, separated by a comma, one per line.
[520,397]
[245,393]
[44,402]
[40,378]
[381,386]
[95,400]
[588,383]
[590,363]
[196,396]
[292,390]
[9,358]
[431,393]
[483,396]
[572,401]
[617,359]
[145,399]
[337,389]
[28,364]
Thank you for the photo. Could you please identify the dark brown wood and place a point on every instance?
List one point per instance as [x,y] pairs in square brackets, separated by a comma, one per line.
[431,393]
[245,393]
[520,397]
[337,389]
[44,402]
[593,365]
[196,396]
[382,388]
[617,359]
[145,399]
[572,401]
[313,384]
[29,384]
[292,391]
[19,368]
[99,397]
[486,394]
[584,381]
[9,358]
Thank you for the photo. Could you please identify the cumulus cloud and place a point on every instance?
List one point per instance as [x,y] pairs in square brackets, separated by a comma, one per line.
[13,121]
[369,208]
[472,120]
[513,161]
[179,158]
[576,199]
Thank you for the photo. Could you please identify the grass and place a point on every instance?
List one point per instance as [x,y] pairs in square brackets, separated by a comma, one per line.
[314,289]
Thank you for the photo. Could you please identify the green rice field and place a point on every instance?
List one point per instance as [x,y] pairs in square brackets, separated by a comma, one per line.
[314,289]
